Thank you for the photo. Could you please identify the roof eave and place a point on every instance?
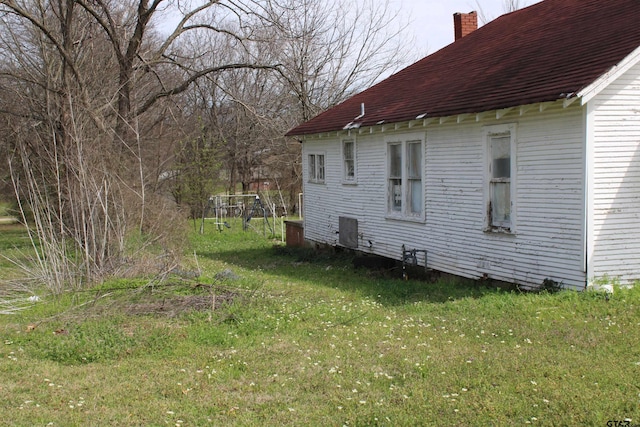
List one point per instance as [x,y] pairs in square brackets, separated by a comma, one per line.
[563,101]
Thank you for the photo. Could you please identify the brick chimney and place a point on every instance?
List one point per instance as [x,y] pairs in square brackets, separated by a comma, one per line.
[464,23]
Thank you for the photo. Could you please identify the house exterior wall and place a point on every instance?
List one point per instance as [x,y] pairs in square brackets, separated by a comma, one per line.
[614,141]
[548,238]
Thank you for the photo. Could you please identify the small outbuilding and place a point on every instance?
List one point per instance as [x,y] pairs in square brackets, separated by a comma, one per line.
[513,153]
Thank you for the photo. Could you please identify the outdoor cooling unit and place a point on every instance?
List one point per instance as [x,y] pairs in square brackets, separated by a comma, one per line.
[348,232]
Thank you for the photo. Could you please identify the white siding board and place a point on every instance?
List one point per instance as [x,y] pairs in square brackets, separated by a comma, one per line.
[550,197]
[615,236]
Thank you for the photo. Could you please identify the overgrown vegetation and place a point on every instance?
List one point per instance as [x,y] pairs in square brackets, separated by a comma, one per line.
[246,334]
[108,108]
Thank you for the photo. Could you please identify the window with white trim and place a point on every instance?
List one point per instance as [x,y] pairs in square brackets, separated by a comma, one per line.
[405,170]
[316,168]
[349,160]
[500,179]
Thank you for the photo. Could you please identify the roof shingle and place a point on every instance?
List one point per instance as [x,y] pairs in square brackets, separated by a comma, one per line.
[545,52]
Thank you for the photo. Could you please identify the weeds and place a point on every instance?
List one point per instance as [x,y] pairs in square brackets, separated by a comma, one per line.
[550,285]
[315,342]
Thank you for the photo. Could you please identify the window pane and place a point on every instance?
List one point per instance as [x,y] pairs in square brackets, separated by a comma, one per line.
[320,167]
[349,162]
[395,161]
[500,204]
[501,156]
[414,160]
[395,189]
[350,169]
[312,167]
[415,196]
[348,150]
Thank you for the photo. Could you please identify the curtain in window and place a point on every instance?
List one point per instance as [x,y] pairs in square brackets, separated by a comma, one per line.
[500,180]
[414,162]
[312,167]
[395,177]
[320,167]
[349,160]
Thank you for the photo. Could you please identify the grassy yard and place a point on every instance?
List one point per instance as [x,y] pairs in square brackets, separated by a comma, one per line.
[7,215]
[272,336]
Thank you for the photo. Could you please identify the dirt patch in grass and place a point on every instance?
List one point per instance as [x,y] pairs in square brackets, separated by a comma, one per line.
[174,305]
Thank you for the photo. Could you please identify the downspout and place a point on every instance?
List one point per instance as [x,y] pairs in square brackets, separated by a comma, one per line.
[361,112]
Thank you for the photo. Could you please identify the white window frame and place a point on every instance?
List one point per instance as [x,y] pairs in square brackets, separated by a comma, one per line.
[403,209]
[316,167]
[349,178]
[506,226]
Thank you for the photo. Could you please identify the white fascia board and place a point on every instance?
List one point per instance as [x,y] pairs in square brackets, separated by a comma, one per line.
[589,92]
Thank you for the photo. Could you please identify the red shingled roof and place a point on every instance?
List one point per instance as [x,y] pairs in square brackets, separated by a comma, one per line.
[545,52]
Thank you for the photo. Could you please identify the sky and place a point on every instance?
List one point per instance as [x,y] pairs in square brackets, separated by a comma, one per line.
[431,21]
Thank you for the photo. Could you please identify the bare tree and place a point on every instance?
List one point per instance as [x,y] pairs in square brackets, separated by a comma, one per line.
[330,50]
[511,5]
[95,98]
[93,85]
[327,52]
[195,175]
[508,6]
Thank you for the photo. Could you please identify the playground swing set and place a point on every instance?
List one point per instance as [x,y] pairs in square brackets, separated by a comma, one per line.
[246,206]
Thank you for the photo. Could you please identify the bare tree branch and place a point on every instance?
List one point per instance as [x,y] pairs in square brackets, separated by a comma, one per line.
[195,76]
[45,31]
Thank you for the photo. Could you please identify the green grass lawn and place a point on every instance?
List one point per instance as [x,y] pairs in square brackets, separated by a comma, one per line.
[290,337]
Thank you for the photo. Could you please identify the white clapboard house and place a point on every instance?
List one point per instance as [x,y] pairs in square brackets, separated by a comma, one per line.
[511,154]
